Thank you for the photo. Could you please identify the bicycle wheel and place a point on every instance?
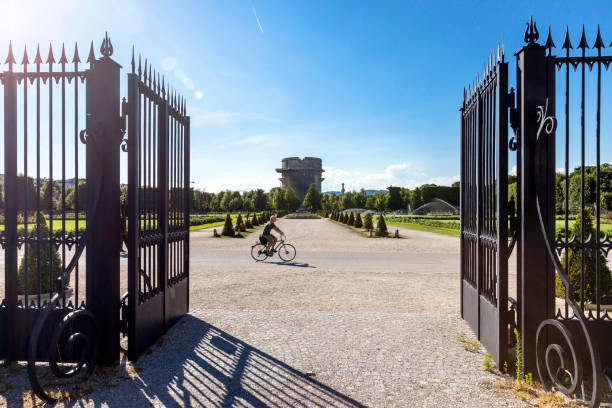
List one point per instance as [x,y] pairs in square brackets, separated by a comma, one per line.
[258,253]
[287,252]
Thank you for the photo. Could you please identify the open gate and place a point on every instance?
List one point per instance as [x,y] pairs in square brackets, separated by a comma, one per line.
[158,208]
[484,209]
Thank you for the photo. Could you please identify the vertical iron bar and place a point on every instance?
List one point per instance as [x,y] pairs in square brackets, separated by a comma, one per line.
[567,173]
[598,187]
[76,175]
[50,180]
[133,206]
[38,240]
[63,176]
[582,176]
[162,183]
[26,270]
[10,194]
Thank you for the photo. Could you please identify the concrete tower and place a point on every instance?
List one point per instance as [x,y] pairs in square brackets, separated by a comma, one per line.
[299,174]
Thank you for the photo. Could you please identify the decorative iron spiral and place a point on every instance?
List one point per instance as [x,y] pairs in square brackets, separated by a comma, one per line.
[551,379]
[61,349]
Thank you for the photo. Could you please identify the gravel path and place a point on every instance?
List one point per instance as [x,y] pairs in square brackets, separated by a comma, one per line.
[351,322]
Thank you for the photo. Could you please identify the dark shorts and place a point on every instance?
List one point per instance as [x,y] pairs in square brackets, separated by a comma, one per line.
[269,237]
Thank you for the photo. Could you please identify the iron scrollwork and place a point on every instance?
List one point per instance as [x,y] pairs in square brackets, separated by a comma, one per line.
[68,337]
[563,376]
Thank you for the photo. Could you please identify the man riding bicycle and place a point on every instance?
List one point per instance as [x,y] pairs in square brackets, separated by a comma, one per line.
[267,234]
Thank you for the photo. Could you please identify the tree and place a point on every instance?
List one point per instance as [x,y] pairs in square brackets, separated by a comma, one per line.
[291,199]
[228,228]
[313,198]
[49,262]
[225,201]
[235,204]
[394,200]
[71,197]
[380,202]
[360,199]
[347,201]
[381,227]
[358,222]
[367,222]
[370,203]
[572,263]
[278,199]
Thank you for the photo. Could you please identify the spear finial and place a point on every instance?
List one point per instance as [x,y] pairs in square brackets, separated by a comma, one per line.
[133,61]
[24,60]
[37,58]
[599,44]
[50,58]
[75,57]
[63,58]
[549,41]
[567,43]
[91,58]
[10,59]
[139,66]
[583,41]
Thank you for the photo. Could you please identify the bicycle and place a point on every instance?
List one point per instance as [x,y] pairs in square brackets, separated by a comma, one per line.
[286,252]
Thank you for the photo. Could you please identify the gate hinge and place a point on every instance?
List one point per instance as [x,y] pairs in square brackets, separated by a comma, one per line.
[514,119]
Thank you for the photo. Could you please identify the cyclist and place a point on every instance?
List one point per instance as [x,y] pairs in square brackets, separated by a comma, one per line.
[267,234]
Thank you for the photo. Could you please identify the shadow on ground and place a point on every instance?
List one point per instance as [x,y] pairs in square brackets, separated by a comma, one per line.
[216,369]
[283,263]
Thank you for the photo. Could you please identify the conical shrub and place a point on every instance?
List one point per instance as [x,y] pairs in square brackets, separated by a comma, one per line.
[351,219]
[248,223]
[228,228]
[240,223]
[381,226]
[367,222]
[358,222]
[254,220]
[50,263]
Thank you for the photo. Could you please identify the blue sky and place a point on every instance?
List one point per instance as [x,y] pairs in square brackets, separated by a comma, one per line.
[371,87]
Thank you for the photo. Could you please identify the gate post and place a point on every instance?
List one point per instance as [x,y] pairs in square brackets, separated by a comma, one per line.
[535,272]
[103,199]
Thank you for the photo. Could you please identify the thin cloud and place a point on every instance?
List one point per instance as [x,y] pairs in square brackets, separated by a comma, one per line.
[257,18]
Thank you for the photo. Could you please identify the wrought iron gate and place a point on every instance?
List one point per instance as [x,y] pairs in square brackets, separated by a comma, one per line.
[484,212]
[158,226]
[62,135]
[567,340]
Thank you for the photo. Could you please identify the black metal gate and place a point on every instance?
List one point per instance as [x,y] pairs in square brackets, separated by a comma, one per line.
[563,275]
[63,130]
[158,226]
[484,212]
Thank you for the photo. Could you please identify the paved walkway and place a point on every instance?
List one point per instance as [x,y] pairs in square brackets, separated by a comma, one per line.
[351,322]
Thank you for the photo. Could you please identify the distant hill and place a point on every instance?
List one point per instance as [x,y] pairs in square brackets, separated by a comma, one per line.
[368,192]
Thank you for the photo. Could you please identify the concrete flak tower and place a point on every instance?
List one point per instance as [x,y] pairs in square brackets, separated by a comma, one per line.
[299,174]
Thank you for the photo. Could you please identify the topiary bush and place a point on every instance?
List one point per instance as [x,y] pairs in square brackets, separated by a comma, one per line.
[571,261]
[240,223]
[381,226]
[50,263]
[351,219]
[254,220]
[248,223]
[358,222]
[367,222]
[228,228]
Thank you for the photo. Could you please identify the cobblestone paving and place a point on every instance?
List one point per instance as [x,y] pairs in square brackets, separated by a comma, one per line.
[369,322]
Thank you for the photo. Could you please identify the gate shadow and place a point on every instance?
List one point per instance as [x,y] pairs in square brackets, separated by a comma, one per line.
[200,364]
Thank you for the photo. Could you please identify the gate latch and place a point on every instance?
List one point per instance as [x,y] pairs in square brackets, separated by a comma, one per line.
[514,119]
[122,119]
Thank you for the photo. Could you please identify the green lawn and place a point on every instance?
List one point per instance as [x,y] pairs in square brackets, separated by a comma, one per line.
[605,227]
[423,227]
